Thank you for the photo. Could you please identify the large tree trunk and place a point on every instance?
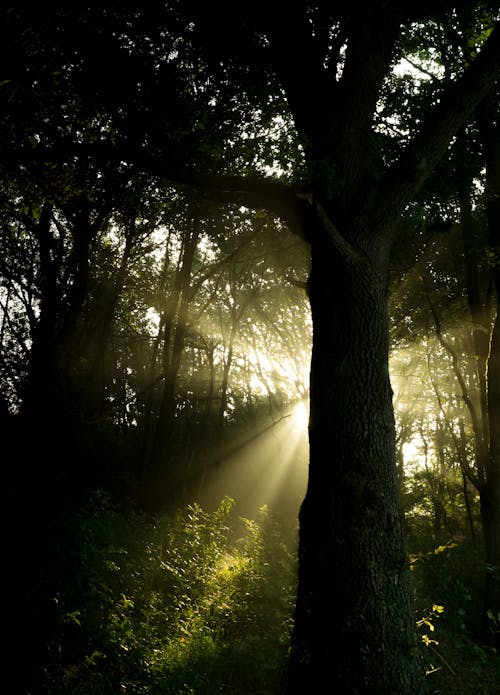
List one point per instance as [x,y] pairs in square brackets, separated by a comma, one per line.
[353,572]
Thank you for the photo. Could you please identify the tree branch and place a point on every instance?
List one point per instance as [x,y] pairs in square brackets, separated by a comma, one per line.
[480,444]
[299,66]
[456,104]
[418,67]
[252,192]
[343,248]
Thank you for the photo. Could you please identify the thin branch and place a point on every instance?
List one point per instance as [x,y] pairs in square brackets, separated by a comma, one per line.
[418,67]
[253,192]
[455,105]
[476,427]
[301,284]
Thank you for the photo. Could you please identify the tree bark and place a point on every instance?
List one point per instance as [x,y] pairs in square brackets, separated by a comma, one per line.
[353,572]
[353,576]
[475,299]
[100,334]
[490,495]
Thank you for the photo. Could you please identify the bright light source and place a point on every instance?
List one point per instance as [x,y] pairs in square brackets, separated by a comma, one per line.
[300,415]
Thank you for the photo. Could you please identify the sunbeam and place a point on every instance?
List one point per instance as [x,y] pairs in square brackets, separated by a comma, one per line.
[269,468]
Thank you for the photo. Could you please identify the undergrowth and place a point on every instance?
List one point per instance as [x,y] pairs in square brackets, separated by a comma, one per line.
[448,582]
[199,603]
[202,603]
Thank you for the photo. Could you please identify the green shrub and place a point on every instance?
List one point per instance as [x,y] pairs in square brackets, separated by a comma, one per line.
[197,603]
[448,592]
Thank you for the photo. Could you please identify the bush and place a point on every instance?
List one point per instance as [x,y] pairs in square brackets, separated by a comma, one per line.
[198,603]
[448,588]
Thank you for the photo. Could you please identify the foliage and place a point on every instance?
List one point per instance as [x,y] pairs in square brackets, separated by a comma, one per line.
[93,306]
[201,602]
[447,582]
[197,603]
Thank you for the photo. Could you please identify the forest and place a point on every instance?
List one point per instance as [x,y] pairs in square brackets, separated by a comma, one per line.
[249,347]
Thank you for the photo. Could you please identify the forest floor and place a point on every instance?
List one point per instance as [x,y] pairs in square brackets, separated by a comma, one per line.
[469,669]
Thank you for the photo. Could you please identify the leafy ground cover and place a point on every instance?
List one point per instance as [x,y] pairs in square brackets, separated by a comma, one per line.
[201,603]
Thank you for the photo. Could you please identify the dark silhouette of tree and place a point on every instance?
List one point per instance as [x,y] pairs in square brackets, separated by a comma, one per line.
[454,184]
[490,492]
[165,89]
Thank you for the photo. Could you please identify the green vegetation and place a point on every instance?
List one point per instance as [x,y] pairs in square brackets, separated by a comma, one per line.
[206,227]
[196,603]
[448,584]
[202,602]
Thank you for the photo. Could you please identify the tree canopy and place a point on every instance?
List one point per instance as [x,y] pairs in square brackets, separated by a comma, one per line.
[191,210]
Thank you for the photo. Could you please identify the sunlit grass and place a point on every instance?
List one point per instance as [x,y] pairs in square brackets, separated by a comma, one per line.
[200,603]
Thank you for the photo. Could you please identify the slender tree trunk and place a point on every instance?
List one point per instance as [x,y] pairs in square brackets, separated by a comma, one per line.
[228,363]
[83,232]
[237,313]
[209,400]
[468,509]
[461,448]
[42,388]
[353,572]
[101,366]
[490,493]
[152,377]
[490,497]
[476,292]
[437,480]
[172,355]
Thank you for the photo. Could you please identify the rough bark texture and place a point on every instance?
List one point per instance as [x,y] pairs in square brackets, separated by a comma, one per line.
[353,573]
[354,628]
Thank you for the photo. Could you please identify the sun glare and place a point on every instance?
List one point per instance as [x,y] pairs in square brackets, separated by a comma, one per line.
[413,456]
[300,415]
[269,469]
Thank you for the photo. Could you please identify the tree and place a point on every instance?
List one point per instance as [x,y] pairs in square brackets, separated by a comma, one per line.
[351,554]
[329,61]
[453,192]
[174,325]
[482,294]
[490,494]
